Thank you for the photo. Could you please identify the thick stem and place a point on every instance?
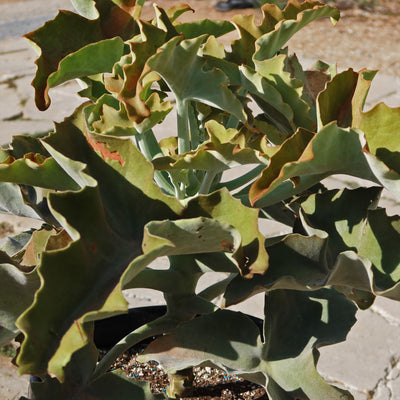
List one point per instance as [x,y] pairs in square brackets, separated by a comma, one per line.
[242,180]
[194,127]
[207,182]
[183,127]
[215,290]
[149,147]
[233,122]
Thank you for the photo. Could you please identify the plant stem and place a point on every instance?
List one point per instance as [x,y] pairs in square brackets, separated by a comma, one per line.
[241,180]
[148,145]
[218,288]
[183,128]
[233,122]
[194,127]
[207,182]
[138,9]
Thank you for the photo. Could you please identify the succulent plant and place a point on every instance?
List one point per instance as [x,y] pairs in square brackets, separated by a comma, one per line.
[114,196]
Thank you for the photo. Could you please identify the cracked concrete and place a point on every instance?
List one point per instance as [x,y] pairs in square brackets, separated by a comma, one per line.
[367,364]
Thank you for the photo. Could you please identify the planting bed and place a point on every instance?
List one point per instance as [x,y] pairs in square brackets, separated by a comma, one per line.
[209,383]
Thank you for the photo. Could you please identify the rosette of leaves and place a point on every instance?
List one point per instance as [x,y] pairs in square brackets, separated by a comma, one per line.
[113,197]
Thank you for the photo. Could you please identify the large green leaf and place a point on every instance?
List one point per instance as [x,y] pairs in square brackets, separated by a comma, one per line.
[381,128]
[130,88]
[19,278]
[42,172]
[213,337]
[275,29]
[293,18]
[285,360]
[264,92]
[353,223]
[16,285]
[193,29]
[290,354]
[11,201]
[296,263]
[105,241]
[351,245]
[182,55]
[67,33]
[343,98]
[166,238]
[332,150]
[92,59]
[251,255]
[291,89]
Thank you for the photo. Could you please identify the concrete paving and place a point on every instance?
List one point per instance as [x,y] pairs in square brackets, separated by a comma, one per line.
[368,363]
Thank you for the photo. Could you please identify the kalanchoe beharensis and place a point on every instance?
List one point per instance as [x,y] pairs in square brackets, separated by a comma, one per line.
[114,197]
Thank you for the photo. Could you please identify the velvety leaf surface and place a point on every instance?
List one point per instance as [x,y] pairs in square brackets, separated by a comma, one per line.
[333,150]
[20,284]
[55,44]
[289,354]
[275,29]
[181,55]
[11,201]
[212,337]
[86,8]
[129,87]
[263,92]
[92,59]
[291,89]
[191,30]
[381,128]
[225,149]
[68,33]
[293,18]
[343,98]
[354,224]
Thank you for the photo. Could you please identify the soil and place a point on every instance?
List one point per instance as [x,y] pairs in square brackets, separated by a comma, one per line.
[208,383]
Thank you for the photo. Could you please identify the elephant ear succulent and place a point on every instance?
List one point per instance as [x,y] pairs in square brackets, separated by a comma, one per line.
[117,186]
